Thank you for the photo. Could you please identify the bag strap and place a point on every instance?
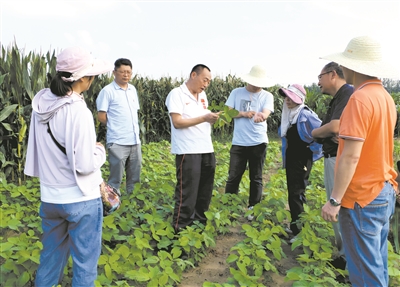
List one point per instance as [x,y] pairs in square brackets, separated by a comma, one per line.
[55,141]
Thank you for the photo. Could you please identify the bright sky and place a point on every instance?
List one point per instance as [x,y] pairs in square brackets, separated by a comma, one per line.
[167,38]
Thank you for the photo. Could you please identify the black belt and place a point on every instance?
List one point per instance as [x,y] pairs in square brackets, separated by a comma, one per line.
[327,155]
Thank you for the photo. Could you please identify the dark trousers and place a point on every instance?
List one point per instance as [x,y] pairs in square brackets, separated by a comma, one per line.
[193,191]
[239,157]
[297,173]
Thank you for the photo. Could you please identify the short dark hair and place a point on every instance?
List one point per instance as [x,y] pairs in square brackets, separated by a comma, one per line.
[122,61]
[199,68]
[332,66]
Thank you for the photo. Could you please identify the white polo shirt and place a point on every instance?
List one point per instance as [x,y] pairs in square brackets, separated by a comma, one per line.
[195,139]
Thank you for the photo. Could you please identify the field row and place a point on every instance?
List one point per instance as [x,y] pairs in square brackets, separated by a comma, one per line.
[141,249]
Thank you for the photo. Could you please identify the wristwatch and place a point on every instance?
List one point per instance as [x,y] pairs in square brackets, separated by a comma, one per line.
[334,202]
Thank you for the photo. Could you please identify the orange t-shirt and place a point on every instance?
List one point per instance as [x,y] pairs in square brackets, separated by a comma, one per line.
[369,116]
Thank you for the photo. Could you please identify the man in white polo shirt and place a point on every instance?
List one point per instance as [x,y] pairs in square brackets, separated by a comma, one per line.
[191,143]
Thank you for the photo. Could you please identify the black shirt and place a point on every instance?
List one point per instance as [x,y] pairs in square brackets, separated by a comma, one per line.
[335,109]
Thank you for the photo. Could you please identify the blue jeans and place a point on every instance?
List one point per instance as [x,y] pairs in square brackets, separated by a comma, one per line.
[74,229]
[364,233]
[124,158]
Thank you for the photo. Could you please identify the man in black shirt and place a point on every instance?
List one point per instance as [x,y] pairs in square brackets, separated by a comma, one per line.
[331,82]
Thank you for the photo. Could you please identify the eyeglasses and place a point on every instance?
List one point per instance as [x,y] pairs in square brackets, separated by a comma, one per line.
[124,72]
[320,75]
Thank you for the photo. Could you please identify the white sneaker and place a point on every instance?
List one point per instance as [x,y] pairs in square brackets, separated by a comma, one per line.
[251,216]
[293,239]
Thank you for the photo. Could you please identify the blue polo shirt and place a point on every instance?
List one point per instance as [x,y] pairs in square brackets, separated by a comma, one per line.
[122,108]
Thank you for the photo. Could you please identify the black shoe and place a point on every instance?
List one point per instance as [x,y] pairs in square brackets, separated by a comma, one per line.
[343,279]
[339,263]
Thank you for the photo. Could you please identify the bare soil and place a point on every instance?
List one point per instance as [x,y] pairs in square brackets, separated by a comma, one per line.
[213,267]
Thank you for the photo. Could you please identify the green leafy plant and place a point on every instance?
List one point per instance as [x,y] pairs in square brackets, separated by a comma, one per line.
[226,114]
[140,247]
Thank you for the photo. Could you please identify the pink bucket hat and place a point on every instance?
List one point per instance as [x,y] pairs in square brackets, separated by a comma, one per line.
[80,63]
[295,92]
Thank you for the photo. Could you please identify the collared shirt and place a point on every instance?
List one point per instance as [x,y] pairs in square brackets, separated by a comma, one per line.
[195,139]
[122,108]
[370,116]
[334,112]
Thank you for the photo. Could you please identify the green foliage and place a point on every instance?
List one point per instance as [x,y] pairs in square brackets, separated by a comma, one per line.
[395,227]
[316,101]
[140,247]
[225,113]
[394,267]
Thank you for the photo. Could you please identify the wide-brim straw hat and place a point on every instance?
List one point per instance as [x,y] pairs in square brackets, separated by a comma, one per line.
[363,55]
[258,77]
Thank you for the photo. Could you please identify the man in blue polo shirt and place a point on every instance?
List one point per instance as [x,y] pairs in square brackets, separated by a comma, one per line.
[118,106]
[191,143]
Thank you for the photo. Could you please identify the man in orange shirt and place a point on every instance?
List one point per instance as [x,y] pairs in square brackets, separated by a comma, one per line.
[364,185]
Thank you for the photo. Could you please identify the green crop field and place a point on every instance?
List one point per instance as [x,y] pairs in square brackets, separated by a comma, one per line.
[139,246]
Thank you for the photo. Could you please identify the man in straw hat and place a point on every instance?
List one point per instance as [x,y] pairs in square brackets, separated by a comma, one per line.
[249,143]
[364,185]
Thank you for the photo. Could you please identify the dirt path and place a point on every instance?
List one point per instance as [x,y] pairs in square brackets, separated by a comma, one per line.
[213,267]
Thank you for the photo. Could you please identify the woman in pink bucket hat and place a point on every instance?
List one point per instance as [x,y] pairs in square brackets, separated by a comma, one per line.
[63,153]
[298,149]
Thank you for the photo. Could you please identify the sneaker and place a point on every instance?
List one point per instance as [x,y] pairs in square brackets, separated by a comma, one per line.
[293,239]
[251,216]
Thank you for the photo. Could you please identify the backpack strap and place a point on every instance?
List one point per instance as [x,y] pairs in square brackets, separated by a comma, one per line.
[55,141]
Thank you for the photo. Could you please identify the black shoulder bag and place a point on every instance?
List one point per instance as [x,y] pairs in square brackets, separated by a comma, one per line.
[109,194]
